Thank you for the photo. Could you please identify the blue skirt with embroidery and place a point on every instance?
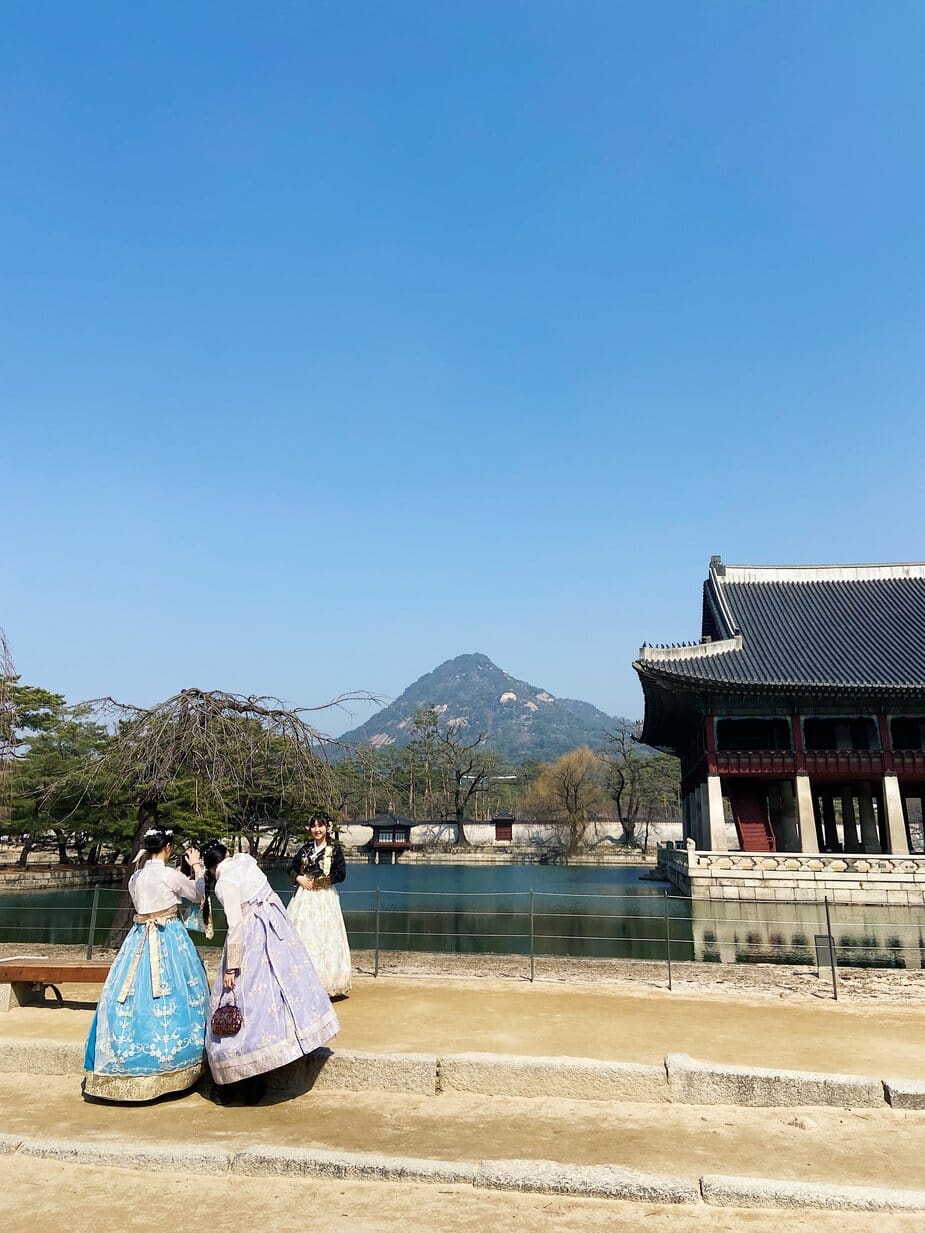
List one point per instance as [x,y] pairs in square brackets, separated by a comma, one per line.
[148,1033]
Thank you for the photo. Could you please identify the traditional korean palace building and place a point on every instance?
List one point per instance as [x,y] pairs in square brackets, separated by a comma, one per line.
[799,719]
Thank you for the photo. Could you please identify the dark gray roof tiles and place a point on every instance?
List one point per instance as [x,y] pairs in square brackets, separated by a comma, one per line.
[826,627]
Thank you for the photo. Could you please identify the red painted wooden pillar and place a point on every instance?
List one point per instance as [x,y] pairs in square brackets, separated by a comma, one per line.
[886,742]
[709,736]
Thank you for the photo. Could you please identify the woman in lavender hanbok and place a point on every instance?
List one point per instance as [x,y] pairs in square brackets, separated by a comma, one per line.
[265,964]
[147,1035]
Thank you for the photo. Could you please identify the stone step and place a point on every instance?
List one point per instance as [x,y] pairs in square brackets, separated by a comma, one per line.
[679,1080]
[530,1176]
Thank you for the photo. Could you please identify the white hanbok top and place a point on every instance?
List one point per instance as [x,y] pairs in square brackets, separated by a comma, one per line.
[155,887]
[238,879]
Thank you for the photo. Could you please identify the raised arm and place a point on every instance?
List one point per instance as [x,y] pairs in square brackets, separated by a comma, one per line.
[185,887]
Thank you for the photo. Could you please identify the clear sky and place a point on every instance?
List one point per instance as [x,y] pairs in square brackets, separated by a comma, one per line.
[337,339]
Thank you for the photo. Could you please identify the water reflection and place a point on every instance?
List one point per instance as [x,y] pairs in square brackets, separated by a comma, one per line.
[865,936]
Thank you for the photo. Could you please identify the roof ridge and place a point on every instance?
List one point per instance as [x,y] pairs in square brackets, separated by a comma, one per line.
[689,650]
[900,570]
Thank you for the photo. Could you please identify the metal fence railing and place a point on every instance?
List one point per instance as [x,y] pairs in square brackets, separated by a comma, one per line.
[539,925]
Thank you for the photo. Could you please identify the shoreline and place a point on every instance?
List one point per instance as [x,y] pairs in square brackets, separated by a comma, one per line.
[732,981]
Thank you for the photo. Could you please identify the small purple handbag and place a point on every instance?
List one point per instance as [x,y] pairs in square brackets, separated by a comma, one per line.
[228,1019]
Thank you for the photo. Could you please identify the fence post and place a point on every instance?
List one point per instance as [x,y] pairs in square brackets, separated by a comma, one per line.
[376,961]
[532,939]
[832,961]
[668,940]
[93,910]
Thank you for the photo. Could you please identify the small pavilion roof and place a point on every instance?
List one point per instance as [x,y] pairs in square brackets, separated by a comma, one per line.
[804,628]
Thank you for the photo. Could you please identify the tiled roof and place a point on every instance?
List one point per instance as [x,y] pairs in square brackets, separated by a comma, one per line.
[858,628]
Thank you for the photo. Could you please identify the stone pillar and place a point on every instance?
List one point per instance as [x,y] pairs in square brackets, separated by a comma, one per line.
[806,815]
[849,822]
[788,809]
[714,817]
[896,842]
[776,816]
[829,825]
[694,809]
[870,834]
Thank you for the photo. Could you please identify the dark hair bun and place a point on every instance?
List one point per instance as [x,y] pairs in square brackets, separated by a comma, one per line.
[213,853]
[156,839]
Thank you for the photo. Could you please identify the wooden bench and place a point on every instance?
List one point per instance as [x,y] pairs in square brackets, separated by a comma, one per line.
[23,979]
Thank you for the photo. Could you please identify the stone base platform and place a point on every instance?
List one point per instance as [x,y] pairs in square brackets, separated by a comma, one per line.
[843,878]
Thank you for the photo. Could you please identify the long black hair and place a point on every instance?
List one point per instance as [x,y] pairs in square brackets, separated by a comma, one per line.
[212,856]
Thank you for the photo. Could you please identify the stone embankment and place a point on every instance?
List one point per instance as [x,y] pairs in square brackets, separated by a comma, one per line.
[488,855]
[47,876]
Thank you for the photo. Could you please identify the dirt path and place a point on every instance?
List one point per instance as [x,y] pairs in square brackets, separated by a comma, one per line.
[638,1024]
[875,1147]
[38,1195]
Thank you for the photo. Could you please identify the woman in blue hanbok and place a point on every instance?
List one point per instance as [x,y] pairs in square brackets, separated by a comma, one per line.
[148,1033]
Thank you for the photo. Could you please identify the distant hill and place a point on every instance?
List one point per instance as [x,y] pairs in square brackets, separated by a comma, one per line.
[521,721]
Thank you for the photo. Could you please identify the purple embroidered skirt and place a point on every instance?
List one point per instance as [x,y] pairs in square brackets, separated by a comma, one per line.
[286,1011]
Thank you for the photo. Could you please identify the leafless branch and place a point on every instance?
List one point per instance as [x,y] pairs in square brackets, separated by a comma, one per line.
[230,745]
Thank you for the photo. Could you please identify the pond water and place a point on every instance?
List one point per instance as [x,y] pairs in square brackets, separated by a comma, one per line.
[592,912]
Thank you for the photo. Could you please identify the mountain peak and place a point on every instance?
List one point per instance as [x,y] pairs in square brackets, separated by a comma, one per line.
[472,659]
[520,720]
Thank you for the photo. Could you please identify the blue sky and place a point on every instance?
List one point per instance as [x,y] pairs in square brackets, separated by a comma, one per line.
[340,339]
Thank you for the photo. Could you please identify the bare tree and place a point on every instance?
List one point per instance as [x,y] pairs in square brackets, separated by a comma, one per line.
[570,790]
[233,751]
[468,766]
[7,725]
[640,782]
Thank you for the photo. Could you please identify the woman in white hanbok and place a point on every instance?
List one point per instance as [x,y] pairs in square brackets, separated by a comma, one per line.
[315,906]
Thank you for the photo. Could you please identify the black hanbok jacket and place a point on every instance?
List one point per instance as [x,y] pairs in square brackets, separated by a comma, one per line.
[304,863]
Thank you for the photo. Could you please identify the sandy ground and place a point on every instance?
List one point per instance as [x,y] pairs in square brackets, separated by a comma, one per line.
[873,1147]
[610,1022]
[768,1017]
[37,1196]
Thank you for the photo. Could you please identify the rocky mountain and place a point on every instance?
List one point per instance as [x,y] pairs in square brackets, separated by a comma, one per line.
[470,692]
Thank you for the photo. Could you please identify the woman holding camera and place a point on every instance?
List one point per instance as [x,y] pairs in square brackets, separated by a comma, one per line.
[147,1035]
